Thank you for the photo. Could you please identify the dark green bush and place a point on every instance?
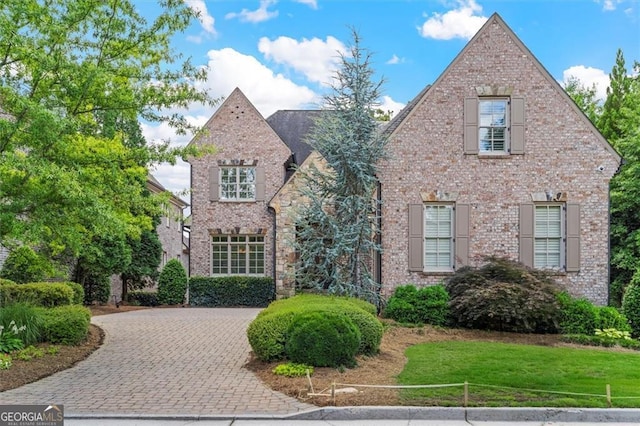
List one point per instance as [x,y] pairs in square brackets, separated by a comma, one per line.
[631,305]
[323,339]
[231,291]
[610,317]
[172,283]
[503,295]
[267,333]
[97,288]
[142,298]
[66,325]
[39,294]
[428,305]
[23,265]
[78,292]
[577,316]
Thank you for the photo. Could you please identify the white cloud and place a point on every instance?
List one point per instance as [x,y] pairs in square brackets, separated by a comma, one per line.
[462,22]
[205,18]
[389,104]
[395,60]
[254,16]
[316,59]
[313,4]
[267,90]
[589,76]
[609,5]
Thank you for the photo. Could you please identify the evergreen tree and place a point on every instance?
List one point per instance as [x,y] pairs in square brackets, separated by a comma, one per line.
[337,228]
[610,120]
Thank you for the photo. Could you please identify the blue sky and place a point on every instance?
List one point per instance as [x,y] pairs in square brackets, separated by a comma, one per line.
[282,53]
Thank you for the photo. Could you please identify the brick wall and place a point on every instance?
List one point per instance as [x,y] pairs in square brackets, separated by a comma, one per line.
[562,153]
[239,132]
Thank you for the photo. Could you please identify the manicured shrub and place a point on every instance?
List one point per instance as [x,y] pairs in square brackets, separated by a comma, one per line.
[631,305]
[142,298]
[267,333]
[610,317]
[78,292]
[39,294]
[23,265]
[25,317]
[66,325]
[577,316]
[428,305]
[172,284]
[323,339]
[231,291]
[504,295]
[97,289]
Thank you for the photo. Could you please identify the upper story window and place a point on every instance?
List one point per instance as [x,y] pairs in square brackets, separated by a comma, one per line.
[237,183]
[494,126]
[493,122]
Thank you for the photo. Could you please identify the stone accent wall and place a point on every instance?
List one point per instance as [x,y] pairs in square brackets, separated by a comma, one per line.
[562,154]
[286,203]
[239,133]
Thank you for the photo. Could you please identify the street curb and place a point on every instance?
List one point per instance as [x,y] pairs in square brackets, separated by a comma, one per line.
[573,415]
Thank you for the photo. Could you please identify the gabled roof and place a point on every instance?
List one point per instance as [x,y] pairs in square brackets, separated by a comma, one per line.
[496,19]
[293,127]
[155,186]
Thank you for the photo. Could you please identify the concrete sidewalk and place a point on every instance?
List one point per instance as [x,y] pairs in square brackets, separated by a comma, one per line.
[167,361]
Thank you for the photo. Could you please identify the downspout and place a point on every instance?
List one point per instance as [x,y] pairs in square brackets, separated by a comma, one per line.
[379,237]
[273,251]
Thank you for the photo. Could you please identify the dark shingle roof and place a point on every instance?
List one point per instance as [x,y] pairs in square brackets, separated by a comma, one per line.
[293,127]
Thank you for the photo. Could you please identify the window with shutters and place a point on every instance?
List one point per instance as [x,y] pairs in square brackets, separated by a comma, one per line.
[548,252]
[493,121]
[237,255]
[238,183]
[438,237]
[494,126]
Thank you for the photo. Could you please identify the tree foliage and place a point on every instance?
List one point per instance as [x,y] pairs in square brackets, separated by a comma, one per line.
[75,78]
[618,119]
[337,227]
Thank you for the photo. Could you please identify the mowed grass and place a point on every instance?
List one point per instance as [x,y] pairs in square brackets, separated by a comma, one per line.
[501,374]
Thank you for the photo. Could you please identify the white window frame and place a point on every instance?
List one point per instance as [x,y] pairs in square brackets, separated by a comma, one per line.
[238,255]
[233,187]
[439,239]
[542,241]
[492,126]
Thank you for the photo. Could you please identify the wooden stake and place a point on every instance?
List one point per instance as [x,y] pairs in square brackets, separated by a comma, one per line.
[466,394]
[608,395]
[310,389]
[333,392]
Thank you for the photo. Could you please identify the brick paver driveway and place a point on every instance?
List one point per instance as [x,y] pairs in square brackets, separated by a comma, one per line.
[182,361]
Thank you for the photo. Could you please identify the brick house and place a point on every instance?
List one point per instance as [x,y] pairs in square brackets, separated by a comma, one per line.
[494,158]
[170,234]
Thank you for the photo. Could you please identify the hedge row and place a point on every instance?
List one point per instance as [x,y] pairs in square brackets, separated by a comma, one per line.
[47,294]
[231,291]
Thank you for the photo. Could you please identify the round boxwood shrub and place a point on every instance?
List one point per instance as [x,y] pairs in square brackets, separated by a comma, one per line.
[323,339]
[66,325]
[267,333]
[172,284]
[631,304]
[78,292]
[577,316]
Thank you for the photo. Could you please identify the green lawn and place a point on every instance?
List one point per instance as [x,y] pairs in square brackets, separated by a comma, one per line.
[502,374]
